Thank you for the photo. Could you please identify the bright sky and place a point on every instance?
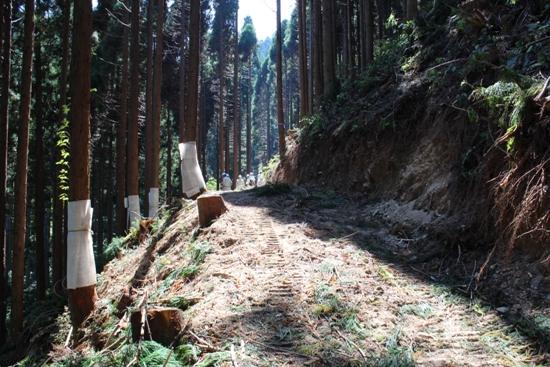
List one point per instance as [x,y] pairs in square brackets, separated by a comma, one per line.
[263,15]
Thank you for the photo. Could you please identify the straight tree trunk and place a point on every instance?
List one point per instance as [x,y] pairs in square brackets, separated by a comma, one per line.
[81,299]
[5,53]
[318,83]
[169,160]
[249,120]
[310,60]
[221,132]
[39,206]
[59,249]
[20,201]
[149,109]
[193,76]
[369,29]
[268,135]
[236,144]
[329,70]
[132,176]
[121,133]
[157,84]
[280,112]
[110,184]
[304,99]
[183,70]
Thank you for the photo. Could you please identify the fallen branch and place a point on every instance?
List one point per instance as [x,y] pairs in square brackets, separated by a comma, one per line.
[203,342]
[537,41]
[539,96]
[463,59]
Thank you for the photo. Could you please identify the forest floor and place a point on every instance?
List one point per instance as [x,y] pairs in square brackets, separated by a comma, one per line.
[306,277]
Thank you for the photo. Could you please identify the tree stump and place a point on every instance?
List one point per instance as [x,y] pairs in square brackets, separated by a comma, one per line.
[163,325]
[210,208]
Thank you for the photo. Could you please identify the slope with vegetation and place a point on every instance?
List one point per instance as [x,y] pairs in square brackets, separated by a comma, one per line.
[451,120]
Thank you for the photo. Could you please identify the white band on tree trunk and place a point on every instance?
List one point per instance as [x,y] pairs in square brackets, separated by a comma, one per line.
[133,209]
[153,201]
[191,177]
[80,253]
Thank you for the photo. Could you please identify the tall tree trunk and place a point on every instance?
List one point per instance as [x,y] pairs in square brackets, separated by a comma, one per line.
[121,133]
[249,120]
[155,148]
[39,207]
[304,99]
[20,216]
[5,53]
[310,59]
[169,159]
[268,135]
[412,9]
[221,145]
[183,70]
[280,112]
[110,184]
[132,176]
[149,110]
[318,82]
[59,249]
[369,29]
[82,295]
[329,70]
[236,144]
[193,75]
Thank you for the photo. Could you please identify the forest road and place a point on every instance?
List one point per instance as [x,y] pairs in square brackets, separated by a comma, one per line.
[316,278]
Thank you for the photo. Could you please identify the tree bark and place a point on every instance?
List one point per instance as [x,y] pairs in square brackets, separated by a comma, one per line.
[39,206]
[5,52]
[82,299]
[157,84]
[304,98]
[20,201]
[183,70]
[249,120]
[121,133]
[132,177]
[329,70]
[59,248]
[193,75]
[149,109]
[318,83]
[236,144]
[221,132]
[280,112]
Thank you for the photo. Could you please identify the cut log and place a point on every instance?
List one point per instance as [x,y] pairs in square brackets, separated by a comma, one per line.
[163,325]
[210,208]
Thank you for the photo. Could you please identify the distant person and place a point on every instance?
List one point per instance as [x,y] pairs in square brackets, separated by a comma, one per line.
[226,182]
[251,180]
[240,183]
[247,181]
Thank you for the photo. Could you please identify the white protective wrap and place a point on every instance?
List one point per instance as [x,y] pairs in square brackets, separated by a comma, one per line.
[191,177]
[133,209]
[153,201]
[80,252]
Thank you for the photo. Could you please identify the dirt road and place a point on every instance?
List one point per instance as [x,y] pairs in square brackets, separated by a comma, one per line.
[304,277]
[293,280]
